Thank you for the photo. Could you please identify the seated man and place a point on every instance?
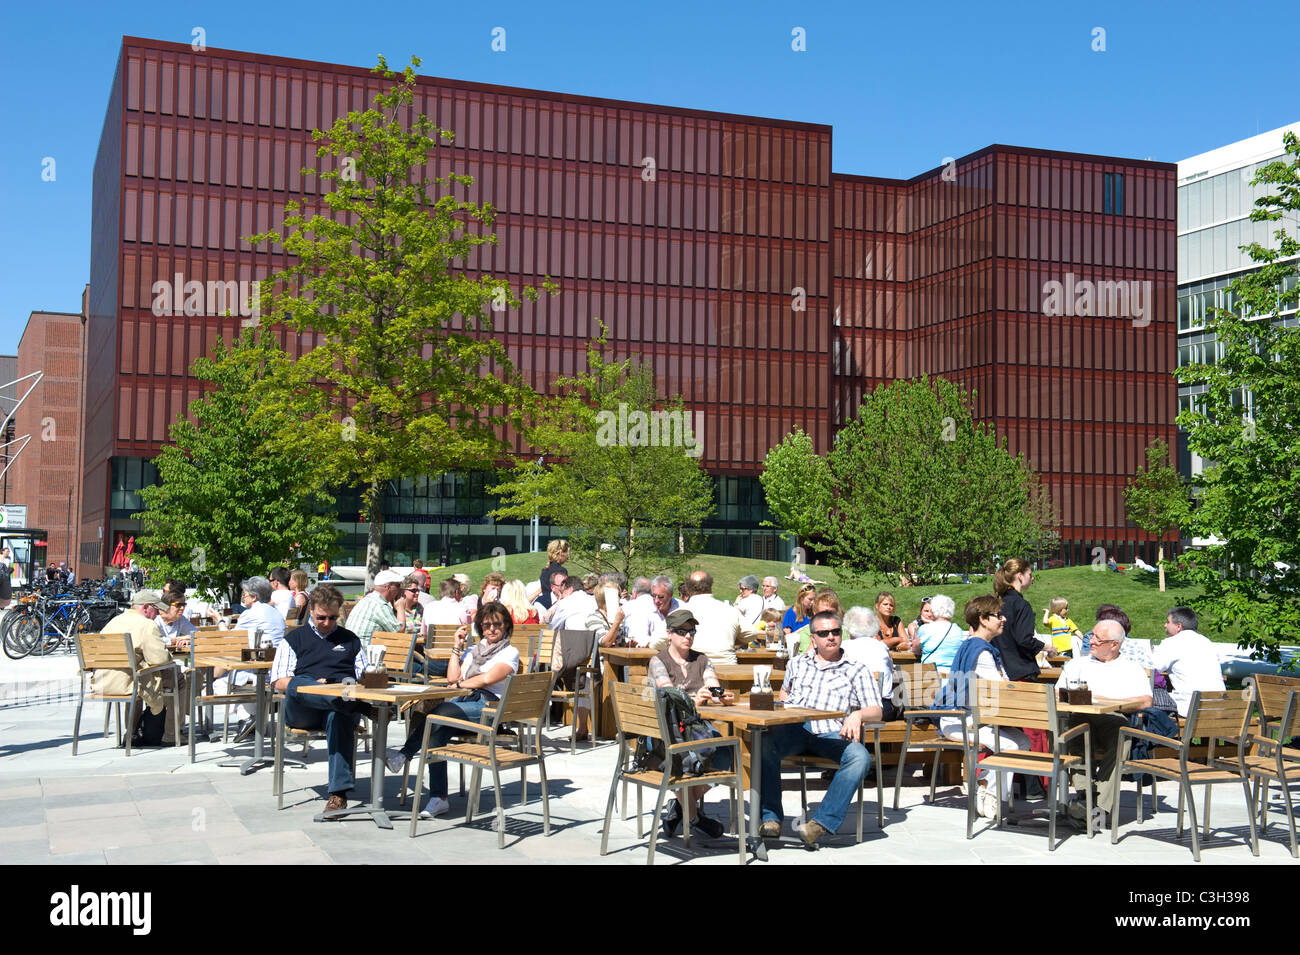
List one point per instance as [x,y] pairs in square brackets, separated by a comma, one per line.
[375,610]
[680,666]
[323,652]
[1188,658]
[1112,679]
[141,622]
[826,680]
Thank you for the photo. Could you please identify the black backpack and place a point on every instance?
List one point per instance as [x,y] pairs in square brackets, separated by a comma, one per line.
[684,726]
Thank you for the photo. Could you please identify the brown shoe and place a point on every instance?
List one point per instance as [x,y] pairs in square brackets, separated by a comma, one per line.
[336,802]
[770,830]
[810,832]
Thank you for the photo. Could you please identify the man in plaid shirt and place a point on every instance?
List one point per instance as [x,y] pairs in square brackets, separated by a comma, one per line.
[826,680]
[375,610]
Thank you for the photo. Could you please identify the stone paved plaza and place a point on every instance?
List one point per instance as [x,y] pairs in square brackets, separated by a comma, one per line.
[101,807]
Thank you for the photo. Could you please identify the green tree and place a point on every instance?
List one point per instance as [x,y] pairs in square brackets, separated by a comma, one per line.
[919,490]
[229,505]
[621,471]
[1246,425]
[1156,499]
[399,375]
[797,486]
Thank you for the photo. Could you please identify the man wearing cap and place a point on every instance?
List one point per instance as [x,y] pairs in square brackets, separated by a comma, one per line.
[375,610]
[140,621]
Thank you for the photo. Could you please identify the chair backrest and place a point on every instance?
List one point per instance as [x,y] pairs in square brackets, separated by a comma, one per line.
[219,642]
[524,639]
[545,647]
[1021,705]
[1290,718]
[398,648]
[636,710]
[105,651]
[525,698]
[921,681]
[441,636]
[1274,692]
[1219,715]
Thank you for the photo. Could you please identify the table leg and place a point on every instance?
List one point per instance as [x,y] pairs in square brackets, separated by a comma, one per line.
[756,843]
[259,756]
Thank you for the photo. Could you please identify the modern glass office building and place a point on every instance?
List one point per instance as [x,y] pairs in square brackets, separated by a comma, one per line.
[766,290]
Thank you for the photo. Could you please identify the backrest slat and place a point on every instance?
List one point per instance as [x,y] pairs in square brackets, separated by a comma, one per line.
[527,696]
[105,651]
[637,714]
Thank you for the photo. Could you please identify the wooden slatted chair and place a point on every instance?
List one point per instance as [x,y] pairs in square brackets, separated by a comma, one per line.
[1272,695]
[640,712]
[218,643]
[921,681]
[114,651]
[399,655]
[544,657]
[524,639]
[1274,762]
[1022,706]
[1211,717]
[524,701]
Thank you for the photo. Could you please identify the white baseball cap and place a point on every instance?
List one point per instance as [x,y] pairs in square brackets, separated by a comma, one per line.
[388,577]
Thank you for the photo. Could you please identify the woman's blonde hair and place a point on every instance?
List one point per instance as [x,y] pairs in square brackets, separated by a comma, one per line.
[515,597]
[557,547]
[827,599]
[1006,575]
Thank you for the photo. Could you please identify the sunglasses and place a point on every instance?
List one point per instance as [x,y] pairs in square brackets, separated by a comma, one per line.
[834,632]
[684,633]
[324,617]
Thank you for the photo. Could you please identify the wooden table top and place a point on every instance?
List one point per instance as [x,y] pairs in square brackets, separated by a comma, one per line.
[1088,709]
[395,694]
[627,656]
[738,671]
[232,663]
[760,657]
[904,656]
[742,715]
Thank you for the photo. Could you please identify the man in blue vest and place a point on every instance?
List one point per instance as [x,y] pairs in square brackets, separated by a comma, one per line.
[323,652]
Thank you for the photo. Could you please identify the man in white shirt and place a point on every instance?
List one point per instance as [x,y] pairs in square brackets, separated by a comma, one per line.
[646,618]
[749,603]
[862,644]
[1188,658]
[771,601]
[1113,679]
[281,595]
[446,610]
[575,606]
[721,628]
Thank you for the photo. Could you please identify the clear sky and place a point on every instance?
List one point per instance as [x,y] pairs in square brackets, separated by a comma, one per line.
[903,85]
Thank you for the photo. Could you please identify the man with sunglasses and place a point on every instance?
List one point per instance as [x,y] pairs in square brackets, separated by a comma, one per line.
[826,680]
[646,619]
[323,652]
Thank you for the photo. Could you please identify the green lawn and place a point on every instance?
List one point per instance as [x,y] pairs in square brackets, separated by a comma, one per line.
[1083,587]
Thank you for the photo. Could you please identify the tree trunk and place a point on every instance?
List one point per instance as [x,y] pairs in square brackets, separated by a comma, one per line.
[375,537]
[1160,564]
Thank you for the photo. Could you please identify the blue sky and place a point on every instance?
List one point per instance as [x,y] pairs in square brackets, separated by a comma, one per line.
[903,85]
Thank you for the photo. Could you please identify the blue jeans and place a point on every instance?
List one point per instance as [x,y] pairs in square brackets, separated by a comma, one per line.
[792,740]
[461,708]
[722,758]
[339,717]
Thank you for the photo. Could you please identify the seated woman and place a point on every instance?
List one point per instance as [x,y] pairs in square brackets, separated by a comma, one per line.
[799,613]
[892,631]
[937,642]
[978,658]
[861,645]
[825,601]
[924,616]
[680,666]
[482,671]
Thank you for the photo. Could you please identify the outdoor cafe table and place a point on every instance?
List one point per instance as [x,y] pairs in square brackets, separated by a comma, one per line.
[738,678]
[622,665]
[904,656]
[260,669]
[741,716]
[760,657]
[390,697]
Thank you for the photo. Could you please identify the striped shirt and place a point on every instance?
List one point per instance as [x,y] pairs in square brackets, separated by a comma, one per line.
[839,685]
[372,612]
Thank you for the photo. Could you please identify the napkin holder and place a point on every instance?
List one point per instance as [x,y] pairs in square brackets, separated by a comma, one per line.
[257,654]
[1079,697]
[375,679]
[762,700]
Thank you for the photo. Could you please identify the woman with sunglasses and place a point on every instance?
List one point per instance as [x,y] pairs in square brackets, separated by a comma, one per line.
[481,672]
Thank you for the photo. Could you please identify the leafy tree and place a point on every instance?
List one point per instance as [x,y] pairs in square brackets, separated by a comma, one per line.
[919,490]
[229,505]
[400,375]
[1247,428]
[796,483]
[620,470]
[1156,499]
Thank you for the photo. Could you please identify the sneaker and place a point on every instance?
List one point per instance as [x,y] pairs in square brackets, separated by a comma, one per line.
[810,832]
[710,827]
[987,803]
[770,830]
[395,759]
[245,731]
[436,806]
[672,820]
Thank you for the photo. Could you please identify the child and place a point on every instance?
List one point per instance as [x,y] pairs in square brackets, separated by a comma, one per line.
[770,623]
[1063,628]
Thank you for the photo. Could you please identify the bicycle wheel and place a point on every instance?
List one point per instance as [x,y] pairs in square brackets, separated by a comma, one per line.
[11,646]
[24,637]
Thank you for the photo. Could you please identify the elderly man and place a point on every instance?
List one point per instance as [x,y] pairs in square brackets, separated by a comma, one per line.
[1112,679]
[749,603]
[140,621]
[862,627]
[721,628]
[647,626]
[375,610]
[771,601]
[825,679]
[259,613]
[1188,658]
[574,608]
[323,652]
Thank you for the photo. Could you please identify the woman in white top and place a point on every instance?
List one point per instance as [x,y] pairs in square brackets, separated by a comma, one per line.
[978,658]
[864,646]
[481,671]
